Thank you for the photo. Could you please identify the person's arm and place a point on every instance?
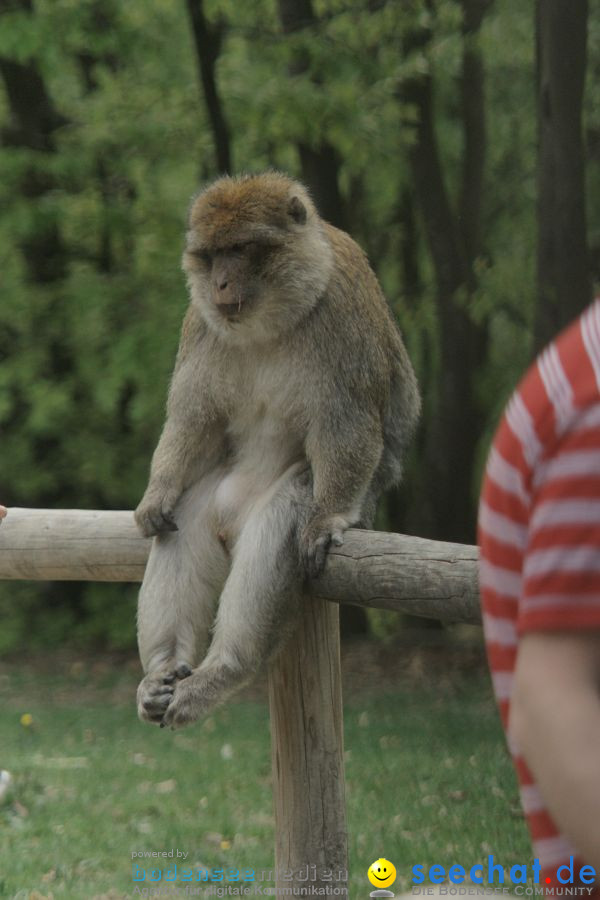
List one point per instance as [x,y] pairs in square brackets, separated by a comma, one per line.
[555,721]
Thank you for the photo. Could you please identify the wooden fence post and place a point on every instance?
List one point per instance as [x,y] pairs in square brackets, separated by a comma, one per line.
[307,740]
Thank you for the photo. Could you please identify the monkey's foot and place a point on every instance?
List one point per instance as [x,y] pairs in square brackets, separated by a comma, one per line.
[320,533]
[198,695]
[155,692]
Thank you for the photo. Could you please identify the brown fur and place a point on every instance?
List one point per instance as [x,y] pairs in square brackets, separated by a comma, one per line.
[291,404]
[232,209]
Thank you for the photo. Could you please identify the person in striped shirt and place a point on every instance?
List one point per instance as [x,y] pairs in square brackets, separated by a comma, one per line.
[539,536]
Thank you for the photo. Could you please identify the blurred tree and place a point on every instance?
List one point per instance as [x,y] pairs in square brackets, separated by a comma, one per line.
[99,111]
[562,257]
[320,164]
[85,334]
[31,131]
[208,38]
[34,121]
[114,188]
[455,244]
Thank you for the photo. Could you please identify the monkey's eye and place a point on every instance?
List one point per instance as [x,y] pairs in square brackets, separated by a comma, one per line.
[241,247]
[203,255]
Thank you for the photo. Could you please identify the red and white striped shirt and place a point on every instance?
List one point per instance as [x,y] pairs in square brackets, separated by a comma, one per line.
[539,528]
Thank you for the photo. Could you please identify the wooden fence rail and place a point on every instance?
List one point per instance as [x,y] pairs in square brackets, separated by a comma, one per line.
[386,571]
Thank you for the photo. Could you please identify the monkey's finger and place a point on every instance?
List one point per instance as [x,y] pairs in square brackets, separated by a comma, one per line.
[183,671]
[167,526]
[146,526]
[154,522]
[160,524]
[168,679]
[337,538]
[168,522]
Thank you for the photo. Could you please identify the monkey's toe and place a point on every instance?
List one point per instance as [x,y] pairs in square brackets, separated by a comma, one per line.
[317,538]
[318,555]
[314,555]
[154,695]
[186,705]
[178,715]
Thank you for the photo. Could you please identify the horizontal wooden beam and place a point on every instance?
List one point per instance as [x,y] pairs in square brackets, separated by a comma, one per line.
[434,579]
[372,568]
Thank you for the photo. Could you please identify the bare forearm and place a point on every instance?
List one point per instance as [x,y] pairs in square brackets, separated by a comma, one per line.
[555,721]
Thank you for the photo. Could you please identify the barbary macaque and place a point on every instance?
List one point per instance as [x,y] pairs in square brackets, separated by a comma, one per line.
[290,407]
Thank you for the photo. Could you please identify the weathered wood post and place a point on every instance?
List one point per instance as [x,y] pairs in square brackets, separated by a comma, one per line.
[386,571]
[307,740]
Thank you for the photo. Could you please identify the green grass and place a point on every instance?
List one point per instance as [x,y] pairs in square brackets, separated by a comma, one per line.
[428,780]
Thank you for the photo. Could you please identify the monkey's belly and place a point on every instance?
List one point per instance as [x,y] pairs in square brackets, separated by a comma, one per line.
[233,495]
[234,498]
[242,490]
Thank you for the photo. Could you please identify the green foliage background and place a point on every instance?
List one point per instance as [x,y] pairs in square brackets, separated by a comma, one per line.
[85,360]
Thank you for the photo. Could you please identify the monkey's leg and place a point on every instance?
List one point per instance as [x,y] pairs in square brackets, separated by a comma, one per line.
[259,602]
[185,574]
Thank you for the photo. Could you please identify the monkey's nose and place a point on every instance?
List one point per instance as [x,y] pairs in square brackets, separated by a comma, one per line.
[222,284]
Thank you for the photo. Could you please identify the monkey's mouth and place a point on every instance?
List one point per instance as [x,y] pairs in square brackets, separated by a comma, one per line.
[231,310]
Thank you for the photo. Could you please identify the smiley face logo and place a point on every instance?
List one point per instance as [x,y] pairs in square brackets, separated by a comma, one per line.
[381,873]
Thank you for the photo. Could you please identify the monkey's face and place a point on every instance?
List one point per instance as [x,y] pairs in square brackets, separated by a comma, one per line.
[256,256]
[234,276]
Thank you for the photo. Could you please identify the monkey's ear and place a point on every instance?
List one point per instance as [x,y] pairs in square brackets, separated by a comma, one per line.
[297,211]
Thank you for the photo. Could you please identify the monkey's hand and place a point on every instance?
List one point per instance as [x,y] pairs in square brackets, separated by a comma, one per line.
[155,514]
[320,532]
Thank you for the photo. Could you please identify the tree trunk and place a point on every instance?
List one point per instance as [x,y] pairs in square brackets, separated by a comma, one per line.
[472,102]
[207,40]
[409,248]
[562,259]
[115,188]
[454,244]
[320,165]
[33,123]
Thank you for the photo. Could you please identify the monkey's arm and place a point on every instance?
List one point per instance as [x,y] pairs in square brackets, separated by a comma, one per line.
[191,439]
[183,452]
[344,455]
